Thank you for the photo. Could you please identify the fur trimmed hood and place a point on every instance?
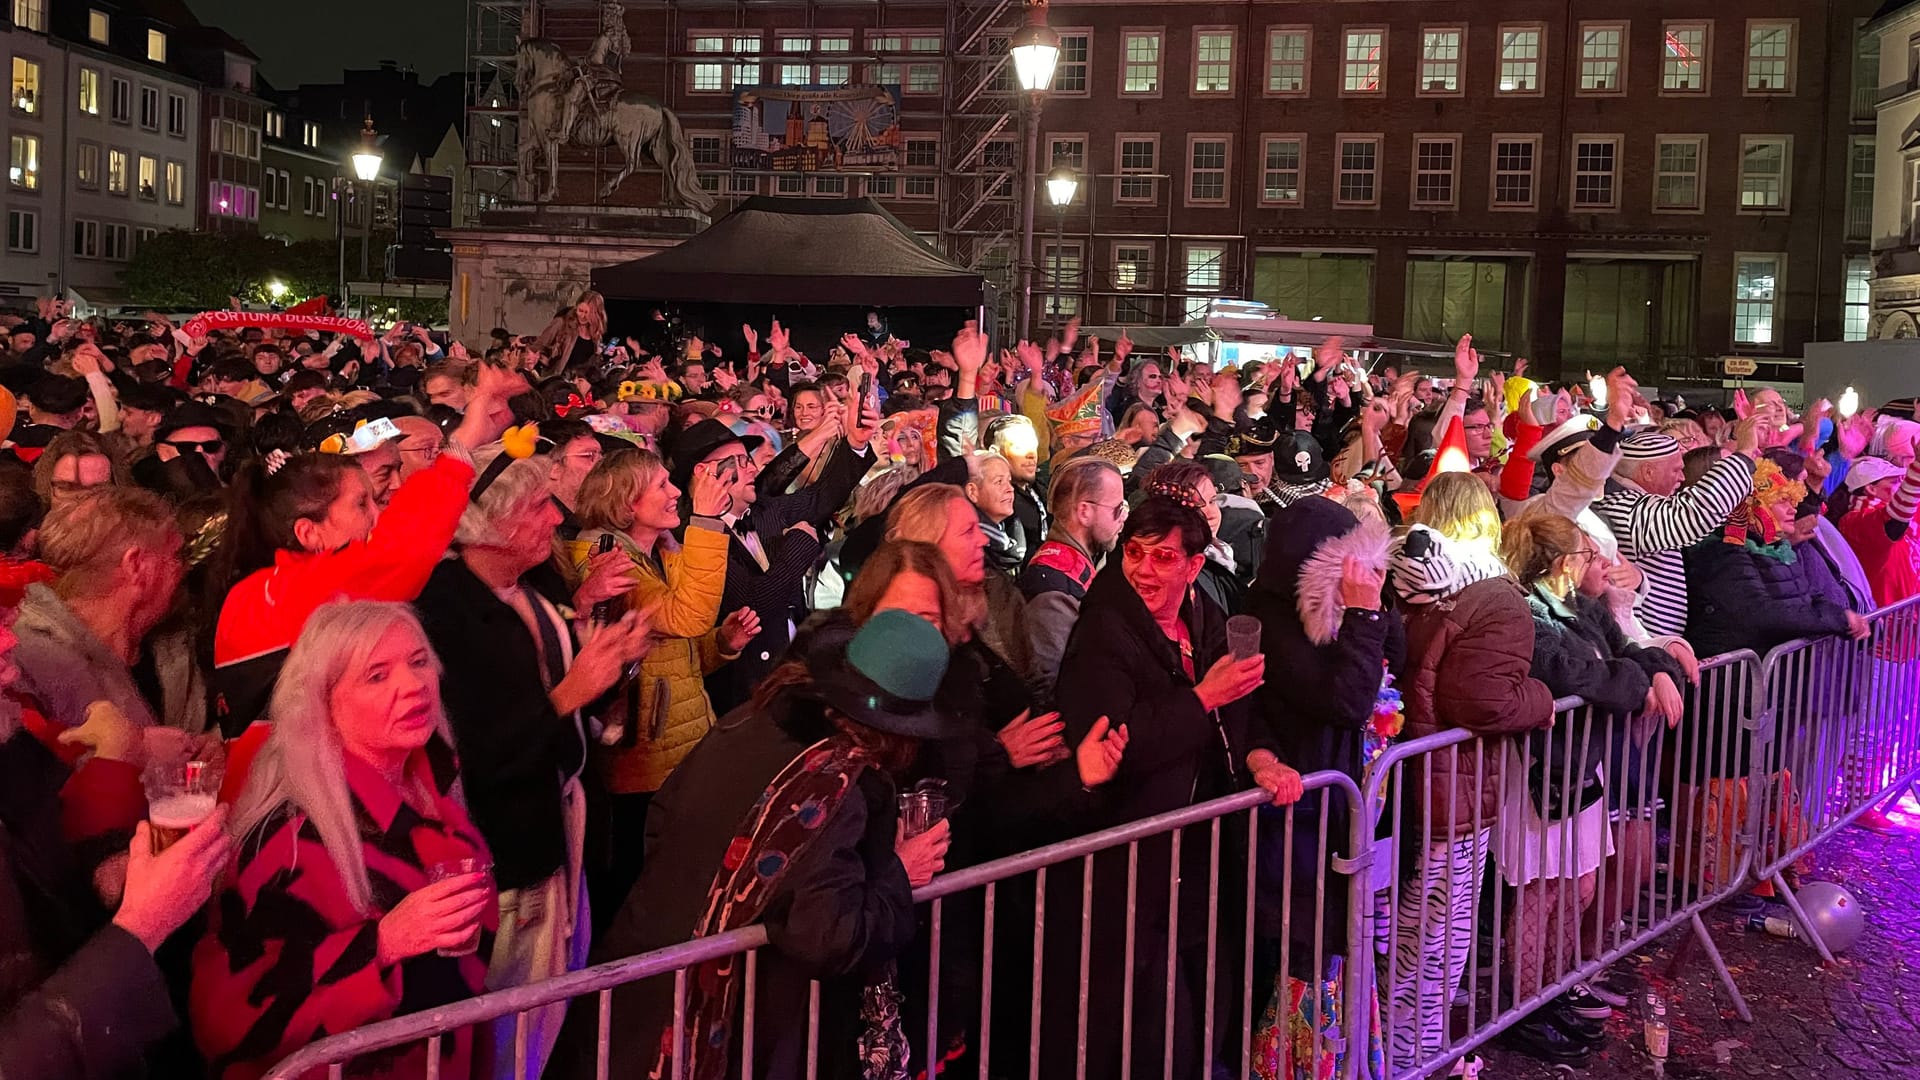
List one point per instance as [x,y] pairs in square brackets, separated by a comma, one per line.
[1317,590]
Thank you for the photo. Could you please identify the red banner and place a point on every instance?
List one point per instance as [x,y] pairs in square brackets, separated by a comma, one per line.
[276,320]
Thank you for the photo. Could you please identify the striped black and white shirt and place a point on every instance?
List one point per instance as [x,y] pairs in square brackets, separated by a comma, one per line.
[1652,529]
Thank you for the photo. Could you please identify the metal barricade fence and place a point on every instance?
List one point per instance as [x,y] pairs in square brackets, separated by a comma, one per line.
[1188,995]
[1840,735]
[1517,865]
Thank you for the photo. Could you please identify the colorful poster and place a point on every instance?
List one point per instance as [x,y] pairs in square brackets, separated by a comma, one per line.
[817,128]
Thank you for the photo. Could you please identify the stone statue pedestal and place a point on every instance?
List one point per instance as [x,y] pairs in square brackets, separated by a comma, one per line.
[522,262]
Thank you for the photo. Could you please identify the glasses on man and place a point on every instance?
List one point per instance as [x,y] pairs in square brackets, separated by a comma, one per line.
[1118,509]
[204,446]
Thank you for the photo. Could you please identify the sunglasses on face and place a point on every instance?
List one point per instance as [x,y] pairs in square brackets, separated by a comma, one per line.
[208,446]
[1160,558]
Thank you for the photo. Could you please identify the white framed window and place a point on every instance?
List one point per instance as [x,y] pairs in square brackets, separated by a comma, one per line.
[790,184]
[1289,62]
[1520,52]
[23,231]
[1073,73]
[832,71]
[1679,174]
[30,15]
[177,116]
[1441,51]
[86,238]
[1866,72]
[1770,57]
[150,107]
[910,77]
[922,158]
[1064,267]
[1603,58]
[1136,154]
[919,187]
[1596,172]
[1205,275]
[1356,171]
[881,187]
[1436,169]
[1858,298]
[1212,60]
[1208,159]
[1363,60]
[833,187]
[1912,201]
[157,46]
[23,94]
[86,166]
[1281,172]
[88,96]
[1140,63]
[97,26]
[722,75]
[310,132]
[1756,284]
[120,101]
[1860,165]
[1133,264]
[116,171]
[141,235]
[176,176]
[1685,51]
[276,125]
[147,178]
[1069,151]
[1765,173]
[114,242]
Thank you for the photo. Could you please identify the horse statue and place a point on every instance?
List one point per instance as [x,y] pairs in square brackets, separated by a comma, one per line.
[566,102]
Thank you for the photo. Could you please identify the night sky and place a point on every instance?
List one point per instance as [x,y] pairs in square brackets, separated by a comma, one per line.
[313,44]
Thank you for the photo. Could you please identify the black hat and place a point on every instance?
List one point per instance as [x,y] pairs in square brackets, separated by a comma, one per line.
[887,676]
[1298,460]
[697,443]
[1253,438]
[1226,473]
[57,394]
[193,414]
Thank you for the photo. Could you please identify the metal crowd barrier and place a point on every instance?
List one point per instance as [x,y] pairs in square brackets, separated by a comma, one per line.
[1840,736]
[1243,818]
[1483,879]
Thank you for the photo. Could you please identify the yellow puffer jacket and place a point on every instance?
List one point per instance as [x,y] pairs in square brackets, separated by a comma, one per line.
[686,649]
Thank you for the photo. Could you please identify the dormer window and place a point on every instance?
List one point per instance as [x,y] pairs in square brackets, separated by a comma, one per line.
[97,26]
[156,46]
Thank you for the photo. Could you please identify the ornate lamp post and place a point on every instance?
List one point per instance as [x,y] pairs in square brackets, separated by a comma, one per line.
[1062,185]
[1035,49]
[366,167]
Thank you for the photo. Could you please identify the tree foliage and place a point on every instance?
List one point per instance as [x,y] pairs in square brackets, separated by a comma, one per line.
[180,270]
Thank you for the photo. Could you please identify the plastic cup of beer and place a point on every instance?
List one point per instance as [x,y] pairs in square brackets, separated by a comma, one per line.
[180,795]
[453,868]
[922,807]
[1243,636]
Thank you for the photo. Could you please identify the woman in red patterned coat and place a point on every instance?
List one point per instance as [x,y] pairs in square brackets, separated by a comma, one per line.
[327,921]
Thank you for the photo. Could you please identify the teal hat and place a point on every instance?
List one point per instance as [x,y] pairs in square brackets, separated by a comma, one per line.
[887,677]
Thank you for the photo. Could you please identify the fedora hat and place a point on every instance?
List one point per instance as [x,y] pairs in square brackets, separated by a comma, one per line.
[887,676]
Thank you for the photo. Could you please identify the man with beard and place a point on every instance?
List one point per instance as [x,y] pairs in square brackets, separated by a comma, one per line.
[1089,505]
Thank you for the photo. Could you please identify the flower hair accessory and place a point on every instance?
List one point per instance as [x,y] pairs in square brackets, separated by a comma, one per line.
[1185,496]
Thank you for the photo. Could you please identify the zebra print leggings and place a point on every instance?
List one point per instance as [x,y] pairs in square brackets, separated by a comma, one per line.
[1432,945]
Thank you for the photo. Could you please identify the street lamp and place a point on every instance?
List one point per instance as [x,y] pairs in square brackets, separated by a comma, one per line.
[277,290]
[1062,185]
[366,166]
[1035,49]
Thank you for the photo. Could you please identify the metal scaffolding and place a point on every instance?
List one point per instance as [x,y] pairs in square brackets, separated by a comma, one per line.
[492,126]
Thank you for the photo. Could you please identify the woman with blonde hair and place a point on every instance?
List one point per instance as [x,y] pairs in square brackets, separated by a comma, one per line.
[629,503]
[322,927]
[573,337]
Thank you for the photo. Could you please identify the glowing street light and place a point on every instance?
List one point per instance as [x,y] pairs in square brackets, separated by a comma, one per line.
[276,289]
[366,160]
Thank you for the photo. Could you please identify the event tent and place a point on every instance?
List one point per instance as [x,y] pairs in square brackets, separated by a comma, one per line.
[774,251]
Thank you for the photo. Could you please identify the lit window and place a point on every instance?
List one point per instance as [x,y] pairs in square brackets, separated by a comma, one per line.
[1676,178]
[1595,174]
[97,26]
[1361,61]
[1601,58]
[310,134]
[1141,72]
[156,46]
[708,76]
[1513,173]
[1756,283]
[1062,265]
[1067,152]
[1207,171]
[1357,173]
[148,178]
[30,15]
[116,172]
[1434,163]
[1137,155]
[1287,62]
[1440,61]
[1204,276]
[1213,62]
[1280,174]
[1132,267]
[1519,60]
[1683,64]
[89,92]
[1763,173]
[23,162]
[24,97]
[1769,58]
[1859,298]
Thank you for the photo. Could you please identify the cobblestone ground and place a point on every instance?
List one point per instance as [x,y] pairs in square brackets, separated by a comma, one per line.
[1858,1018]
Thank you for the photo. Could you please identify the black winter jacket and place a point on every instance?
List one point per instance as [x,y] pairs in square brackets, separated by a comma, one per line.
[1738,598]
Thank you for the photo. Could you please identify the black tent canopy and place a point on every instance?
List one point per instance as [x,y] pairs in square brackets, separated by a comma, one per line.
[799,251]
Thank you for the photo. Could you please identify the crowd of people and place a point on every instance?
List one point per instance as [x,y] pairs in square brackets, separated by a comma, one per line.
[510,657]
